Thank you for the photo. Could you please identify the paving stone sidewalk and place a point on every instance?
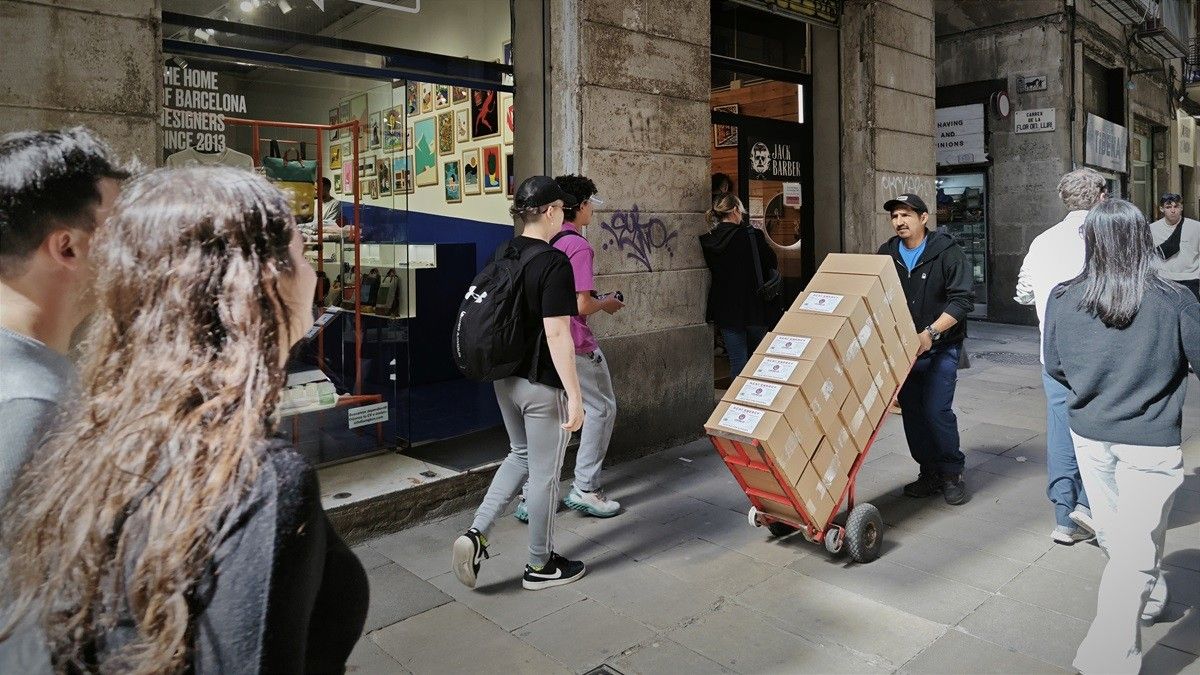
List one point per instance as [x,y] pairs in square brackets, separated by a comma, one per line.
[679,582]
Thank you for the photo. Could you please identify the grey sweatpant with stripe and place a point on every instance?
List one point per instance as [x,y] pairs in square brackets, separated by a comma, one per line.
[533,415]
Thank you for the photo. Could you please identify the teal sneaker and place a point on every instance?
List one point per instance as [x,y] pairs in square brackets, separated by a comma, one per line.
[522,513]
[592,503]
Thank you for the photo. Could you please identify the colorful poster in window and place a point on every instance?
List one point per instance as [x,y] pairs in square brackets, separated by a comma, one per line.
[485,114]
[348,178]
[425,152]
[358,112]
[383,170]
[344,116]
[510,180]
[470,172]
[334,118]
[506,119]
[459,95]
[393,130]
[426,98]
[725,135]
[441,96]
[412,98]
[335,157]
[445,133]
[492,171]
[462,125]
[453,181]
[402,183]
[375,136]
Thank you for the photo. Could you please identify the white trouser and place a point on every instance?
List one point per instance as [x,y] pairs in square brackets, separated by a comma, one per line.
[1131,488]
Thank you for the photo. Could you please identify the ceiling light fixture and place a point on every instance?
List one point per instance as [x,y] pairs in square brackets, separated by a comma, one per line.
[246,6]
[285,6]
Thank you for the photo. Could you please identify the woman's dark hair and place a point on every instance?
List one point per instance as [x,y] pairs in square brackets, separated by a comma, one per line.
[721,182]
[579,187]
[1119,263]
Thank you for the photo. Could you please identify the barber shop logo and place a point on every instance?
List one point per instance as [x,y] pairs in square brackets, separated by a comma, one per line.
[760,159]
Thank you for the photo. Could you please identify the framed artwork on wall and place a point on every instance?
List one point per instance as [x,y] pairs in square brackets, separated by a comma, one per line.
[383,170]
[510,181]
[462,125]
[371,188]
[412,97]
[402,183]
[347,151]
[492,171]
[507,52]
[470,172]
[441,96]
[453,176]
[459,95]
[334,118]
[426,98]
[344,116]
[506,118]
[725,135]
[358,111]
[425,152]
[366,166]
[336,181]
[348,178]
[485,114]
[375,136]
[393,130]
[445,133]
[335,156]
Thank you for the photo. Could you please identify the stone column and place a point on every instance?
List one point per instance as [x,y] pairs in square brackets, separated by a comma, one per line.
[92,62]
[629,86]
[887,113]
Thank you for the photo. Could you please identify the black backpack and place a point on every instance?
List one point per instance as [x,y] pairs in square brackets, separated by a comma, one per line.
[490,341]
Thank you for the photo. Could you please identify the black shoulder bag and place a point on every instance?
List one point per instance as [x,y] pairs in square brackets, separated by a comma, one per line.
[770,289]
[1170,247]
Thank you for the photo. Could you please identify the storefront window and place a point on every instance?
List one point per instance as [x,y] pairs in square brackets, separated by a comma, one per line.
[962,213]
[1141,164]
[418,198]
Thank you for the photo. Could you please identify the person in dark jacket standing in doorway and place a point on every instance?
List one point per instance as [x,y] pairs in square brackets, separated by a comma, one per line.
[938,287]
[734,302]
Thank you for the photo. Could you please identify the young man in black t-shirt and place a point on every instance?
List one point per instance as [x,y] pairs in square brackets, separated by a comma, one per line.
[541,405]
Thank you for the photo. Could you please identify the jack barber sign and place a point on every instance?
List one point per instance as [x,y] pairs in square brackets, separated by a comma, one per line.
[773,159]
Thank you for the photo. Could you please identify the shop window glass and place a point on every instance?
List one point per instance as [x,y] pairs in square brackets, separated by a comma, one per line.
[962,213]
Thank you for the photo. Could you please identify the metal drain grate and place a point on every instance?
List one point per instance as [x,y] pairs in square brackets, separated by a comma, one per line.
[1009,358]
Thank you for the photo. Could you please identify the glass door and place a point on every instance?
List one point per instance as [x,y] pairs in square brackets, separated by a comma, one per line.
[962,213]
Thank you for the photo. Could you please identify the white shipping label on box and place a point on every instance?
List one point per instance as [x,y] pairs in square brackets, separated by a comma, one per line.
[758,393]
[822,302]
[741,418]
[788,345]
[776,369]
[368,414]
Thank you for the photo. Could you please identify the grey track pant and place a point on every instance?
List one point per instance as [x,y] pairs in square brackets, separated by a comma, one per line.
[600,408]
[533,415]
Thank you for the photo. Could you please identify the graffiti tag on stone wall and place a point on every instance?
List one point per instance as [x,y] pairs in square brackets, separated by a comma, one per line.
[891,185]
[637,239]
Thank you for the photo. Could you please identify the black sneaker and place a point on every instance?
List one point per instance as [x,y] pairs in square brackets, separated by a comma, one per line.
[926,485]
[557,571]
[954,489]
[469,550]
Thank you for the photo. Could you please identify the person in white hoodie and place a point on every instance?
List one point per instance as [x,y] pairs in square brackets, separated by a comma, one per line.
[1055,256]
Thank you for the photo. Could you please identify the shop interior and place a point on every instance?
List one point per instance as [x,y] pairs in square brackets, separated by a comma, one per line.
[410,120]
[962,213]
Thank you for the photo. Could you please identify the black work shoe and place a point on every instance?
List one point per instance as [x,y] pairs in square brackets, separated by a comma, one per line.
[557,571]
[469,550]
[954,489]
[926,485]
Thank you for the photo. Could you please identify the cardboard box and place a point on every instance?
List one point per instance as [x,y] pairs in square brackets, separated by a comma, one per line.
[824,390]
[871,339]
[832,464]
[785,400]
[865,286]
[854,416]
[899,366]
[843,304]
[815,495]
[803,347]
[885,386]
[839,332]
[745,424]
[882,267]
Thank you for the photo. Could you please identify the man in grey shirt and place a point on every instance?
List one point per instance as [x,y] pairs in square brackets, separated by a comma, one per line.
[56,188]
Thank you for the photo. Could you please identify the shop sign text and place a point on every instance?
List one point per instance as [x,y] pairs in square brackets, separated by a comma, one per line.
[960,135]
[1105,144]
[1034,121]
[194,109]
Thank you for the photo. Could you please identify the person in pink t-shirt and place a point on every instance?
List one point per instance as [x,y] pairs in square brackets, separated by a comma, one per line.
[595,381]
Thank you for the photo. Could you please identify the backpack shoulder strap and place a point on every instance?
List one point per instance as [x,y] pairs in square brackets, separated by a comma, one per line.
[564,233]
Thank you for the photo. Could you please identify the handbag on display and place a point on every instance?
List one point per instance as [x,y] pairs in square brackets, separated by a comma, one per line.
[770,289]
[296,175]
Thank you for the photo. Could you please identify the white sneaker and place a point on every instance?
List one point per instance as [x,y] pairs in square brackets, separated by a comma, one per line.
[1070,535]
[592,503]
[1082,516]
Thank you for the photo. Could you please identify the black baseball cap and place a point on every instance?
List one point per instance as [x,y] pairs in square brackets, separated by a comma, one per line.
[908,199]
[537,191]
[1170,197]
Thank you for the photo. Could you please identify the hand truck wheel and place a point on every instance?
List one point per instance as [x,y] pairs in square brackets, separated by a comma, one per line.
[835,540]
[864,533]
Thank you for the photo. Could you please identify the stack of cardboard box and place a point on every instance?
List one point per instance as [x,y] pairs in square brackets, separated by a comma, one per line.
[818,386]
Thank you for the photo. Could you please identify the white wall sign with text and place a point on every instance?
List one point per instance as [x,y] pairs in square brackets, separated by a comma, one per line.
[1185,127]
[1034,121]
[960,135]
[194,109]
[793,195]
[1105,144]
